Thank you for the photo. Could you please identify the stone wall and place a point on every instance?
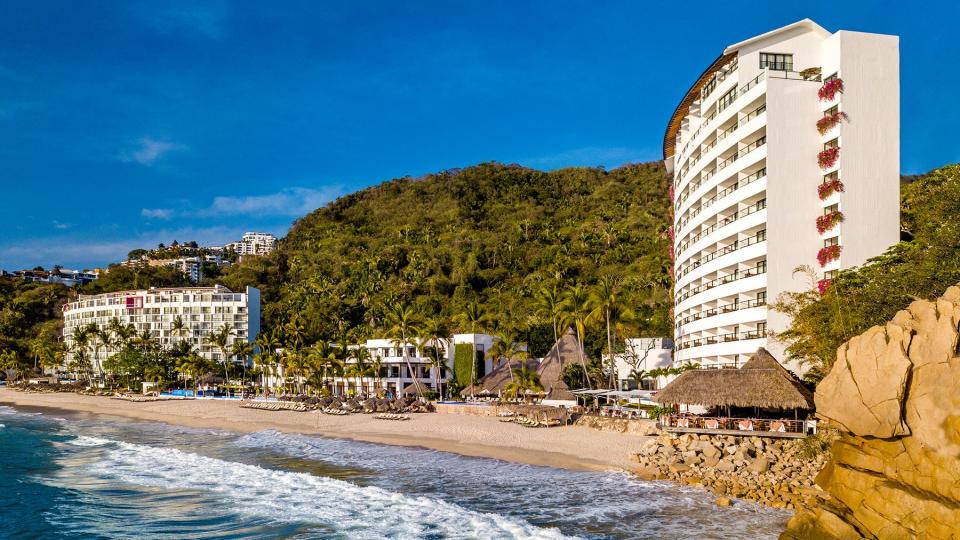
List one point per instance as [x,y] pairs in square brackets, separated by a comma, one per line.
[894,394]
[620,425]
[775,472]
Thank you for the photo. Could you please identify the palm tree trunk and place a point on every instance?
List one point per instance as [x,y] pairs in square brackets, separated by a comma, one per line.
[610,349]
[583,364]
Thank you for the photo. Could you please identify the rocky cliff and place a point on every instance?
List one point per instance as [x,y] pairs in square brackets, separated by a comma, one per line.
[894,394]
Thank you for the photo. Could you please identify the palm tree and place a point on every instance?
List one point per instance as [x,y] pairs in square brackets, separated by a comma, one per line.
[242,349]
[402,321]
[473,317]
[506,347]
[178,327]
[219,339]
[194,366]
[524,380]
[296,363]
[361,357]
[40,350]
[436,331]
[576,313]
[81,361]
[97,339]
[607,305]
[266,345]
[549,307]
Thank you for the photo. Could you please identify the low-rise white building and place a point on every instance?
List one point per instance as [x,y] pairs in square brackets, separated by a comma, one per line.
[202,309]
[641,356]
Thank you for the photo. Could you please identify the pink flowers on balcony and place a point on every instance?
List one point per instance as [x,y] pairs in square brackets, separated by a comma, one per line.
[829,187]
[673,193]
[828,158]
[829,221]
[828,121]
[822,285]
[830,89]
[828,254]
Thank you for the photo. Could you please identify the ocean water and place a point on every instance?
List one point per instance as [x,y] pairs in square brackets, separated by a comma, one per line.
[80,476]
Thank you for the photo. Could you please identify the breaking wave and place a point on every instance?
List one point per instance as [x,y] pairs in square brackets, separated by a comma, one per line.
[343,507]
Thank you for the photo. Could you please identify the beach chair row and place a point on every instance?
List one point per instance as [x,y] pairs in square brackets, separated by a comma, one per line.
[391,416]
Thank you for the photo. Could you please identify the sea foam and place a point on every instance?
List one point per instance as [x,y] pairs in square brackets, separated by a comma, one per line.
[356,511]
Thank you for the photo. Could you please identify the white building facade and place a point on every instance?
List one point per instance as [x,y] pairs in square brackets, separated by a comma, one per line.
[202,309]
[785,152]
[395,375]
[254,243]
[641,356]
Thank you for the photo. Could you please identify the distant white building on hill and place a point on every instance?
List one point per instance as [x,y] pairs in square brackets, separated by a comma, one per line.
[784,152]
[253,243]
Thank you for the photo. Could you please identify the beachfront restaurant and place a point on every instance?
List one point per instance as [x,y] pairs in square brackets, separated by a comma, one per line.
[761,398]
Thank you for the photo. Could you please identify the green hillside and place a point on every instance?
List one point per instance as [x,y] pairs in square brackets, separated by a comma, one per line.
[492,234]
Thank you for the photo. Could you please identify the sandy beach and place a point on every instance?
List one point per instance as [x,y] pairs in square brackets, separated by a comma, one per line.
[571,447]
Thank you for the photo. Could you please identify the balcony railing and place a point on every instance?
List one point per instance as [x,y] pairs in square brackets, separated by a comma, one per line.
[689,190]
[755,427]
[722,338]
[737,275]
[735,246]
[706,203]
[720,310]
[706,123]
[739,214]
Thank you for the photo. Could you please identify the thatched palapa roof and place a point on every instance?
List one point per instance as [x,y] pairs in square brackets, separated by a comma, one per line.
[416,387]
[494,382]
[761,382]
[563,353]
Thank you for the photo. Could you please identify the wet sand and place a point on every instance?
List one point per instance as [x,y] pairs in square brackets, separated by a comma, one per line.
[570,447]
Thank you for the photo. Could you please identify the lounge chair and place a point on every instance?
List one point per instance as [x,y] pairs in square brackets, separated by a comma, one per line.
[778,427]
[683,422]
[745,425]
[711,424]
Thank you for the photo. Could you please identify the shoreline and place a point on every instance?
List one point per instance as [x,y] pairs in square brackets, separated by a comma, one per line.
[571,447]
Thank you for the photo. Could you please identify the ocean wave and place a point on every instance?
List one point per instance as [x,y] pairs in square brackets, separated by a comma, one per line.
[349,509]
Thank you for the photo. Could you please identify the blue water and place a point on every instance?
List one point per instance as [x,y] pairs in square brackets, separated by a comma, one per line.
[69,475]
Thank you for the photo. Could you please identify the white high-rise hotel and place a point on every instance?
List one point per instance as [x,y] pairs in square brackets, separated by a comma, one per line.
[784,152]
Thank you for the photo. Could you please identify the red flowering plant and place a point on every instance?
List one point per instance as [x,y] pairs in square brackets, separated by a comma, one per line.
[830,89]
[822,286]
[673,193]
[828,188]
[827,254]
[828,158]
[829,221]
[826,123]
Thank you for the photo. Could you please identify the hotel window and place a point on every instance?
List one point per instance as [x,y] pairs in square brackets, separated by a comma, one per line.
[707,88]
[832,110]
[761,298]
[835,207]
[831,241]
[830,78]
[776,62]
[831,176]
[761,267]
[834,143]
[726,100]
[831,274]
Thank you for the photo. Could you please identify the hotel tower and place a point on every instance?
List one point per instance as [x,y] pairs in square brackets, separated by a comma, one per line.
[784,152]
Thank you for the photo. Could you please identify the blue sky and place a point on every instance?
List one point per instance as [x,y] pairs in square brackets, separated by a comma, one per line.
[124,124]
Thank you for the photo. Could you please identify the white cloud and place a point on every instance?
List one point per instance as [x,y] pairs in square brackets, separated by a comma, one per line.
[60,225]
[149,150]
[288,202]
[79,252]
[156,213]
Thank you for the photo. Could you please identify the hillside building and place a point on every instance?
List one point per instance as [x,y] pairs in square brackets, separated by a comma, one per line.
[202,309]
[784,152]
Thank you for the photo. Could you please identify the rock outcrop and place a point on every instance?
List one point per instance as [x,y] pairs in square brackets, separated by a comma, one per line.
[775,472]
[894,394]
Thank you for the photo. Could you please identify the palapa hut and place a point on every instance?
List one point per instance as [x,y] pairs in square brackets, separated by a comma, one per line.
[563,353]
[493,383]
[415,388]
[761,383]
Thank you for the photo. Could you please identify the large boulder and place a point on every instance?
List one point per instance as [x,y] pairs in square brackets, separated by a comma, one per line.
[894,393]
